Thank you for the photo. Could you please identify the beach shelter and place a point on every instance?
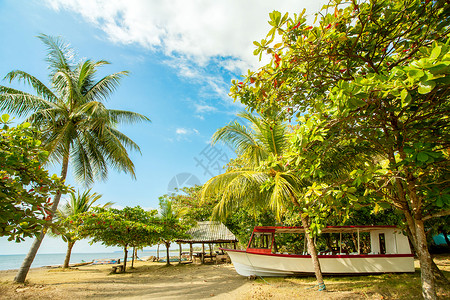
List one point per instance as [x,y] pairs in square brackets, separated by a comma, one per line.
[208,232]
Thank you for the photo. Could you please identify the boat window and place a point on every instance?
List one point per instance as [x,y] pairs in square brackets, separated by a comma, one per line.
[261,240]
[382,240]
[292,243]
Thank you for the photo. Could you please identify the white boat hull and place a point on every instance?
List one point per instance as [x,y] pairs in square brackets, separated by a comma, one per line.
[248,264]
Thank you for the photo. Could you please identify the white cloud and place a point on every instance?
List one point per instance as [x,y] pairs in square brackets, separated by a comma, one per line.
[181,131]
[201,108]
[193,34]
[196,29]
[186,131]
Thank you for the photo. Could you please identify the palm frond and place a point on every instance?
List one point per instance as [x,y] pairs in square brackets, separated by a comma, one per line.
[126,117]
[105,86]
[60,54]
[41,89]
[19,103]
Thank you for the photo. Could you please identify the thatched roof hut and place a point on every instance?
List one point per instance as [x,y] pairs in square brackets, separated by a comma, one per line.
[208,232]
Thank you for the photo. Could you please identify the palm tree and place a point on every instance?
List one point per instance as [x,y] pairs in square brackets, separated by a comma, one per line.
[75,124]
[261,180]
[77,204]
[171,220]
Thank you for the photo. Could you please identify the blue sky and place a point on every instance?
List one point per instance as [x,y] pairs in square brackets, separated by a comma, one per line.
[182,56]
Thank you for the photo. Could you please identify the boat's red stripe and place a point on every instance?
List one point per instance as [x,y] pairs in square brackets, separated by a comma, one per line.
[272,228]
[324,256]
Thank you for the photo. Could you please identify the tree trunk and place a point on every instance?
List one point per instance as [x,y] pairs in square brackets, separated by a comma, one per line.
[125,257]
[446,237]
[157,253]
[26,264]
[132,259]
[68,253]
[313,252]
[426,270]
[167,253]
[439,277]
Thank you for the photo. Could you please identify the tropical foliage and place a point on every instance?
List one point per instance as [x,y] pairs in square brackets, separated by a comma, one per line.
[259,179]
[127,228]
[370,75]
[72,118]
[75,205]
[241,222]
[25,187]
[172,224]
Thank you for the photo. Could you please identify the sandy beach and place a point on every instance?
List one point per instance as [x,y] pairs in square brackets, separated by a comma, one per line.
[151,280]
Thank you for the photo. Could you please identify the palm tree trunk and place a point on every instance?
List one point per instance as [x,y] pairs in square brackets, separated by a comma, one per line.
[26,264]
[68,253]
[311,246]
[313,252]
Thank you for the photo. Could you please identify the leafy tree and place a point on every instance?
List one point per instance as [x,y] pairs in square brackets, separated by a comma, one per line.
[77,204]
[372,75]
[259,179]
[241,222]
[128,227]
[74,122]
[187,200]
[25,186]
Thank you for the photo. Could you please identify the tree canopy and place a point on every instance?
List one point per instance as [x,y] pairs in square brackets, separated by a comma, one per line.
[25,187]
[73,121]
[369,82]
[128,227]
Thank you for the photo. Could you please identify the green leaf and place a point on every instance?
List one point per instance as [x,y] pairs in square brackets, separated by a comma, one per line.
[415,73]
[5,118]
[406,97]
[426,87]
[435,52]
[422,156]
[352,197]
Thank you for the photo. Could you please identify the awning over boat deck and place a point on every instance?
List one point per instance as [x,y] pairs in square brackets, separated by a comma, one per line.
[328,229]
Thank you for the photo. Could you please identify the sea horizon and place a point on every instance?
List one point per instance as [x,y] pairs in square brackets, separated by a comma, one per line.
[14,261]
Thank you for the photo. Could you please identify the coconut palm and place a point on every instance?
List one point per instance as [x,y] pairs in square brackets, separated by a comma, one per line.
[75,124]
[75,205]
[261,180]
[171,220]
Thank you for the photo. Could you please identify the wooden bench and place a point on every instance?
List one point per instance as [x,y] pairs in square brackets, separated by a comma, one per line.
[222,258]
[114,269]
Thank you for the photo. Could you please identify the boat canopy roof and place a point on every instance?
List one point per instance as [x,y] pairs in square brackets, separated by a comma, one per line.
[327,229]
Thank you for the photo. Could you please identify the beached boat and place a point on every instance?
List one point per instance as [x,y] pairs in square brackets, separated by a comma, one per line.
[389,252]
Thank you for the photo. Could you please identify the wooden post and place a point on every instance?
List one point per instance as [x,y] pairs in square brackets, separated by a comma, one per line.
[203,253]
[179,262]
[304,244]
[210,252]
[190,251]
[340,242]
[234,245]
[359,251]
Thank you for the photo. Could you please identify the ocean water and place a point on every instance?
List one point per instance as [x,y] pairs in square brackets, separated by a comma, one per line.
[9,262]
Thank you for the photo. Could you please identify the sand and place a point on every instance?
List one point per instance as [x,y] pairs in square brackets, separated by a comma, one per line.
[151,280]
